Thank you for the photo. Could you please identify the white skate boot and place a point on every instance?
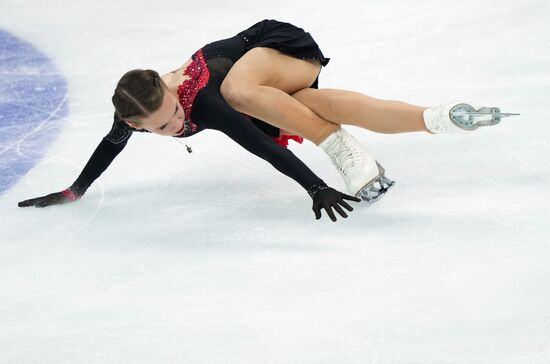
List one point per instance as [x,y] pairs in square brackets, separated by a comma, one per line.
[459,117]
[363,175]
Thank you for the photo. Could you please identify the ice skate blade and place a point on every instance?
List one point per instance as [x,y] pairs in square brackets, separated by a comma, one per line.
[375,189]
[465,116]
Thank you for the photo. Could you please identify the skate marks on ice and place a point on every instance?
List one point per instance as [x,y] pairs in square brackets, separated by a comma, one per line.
[178,341]
[405,290]
[33,105]
[542,342]
[453,293]
[76,217]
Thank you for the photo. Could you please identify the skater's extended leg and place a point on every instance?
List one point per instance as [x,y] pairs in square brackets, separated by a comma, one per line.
[354,108]
[261,83]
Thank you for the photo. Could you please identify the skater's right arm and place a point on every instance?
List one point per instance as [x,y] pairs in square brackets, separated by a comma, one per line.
[107,150]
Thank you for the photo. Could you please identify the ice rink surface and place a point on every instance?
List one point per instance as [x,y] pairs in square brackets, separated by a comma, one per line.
[215,257]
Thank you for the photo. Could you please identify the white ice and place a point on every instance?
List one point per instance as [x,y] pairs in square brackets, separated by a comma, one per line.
[215,257]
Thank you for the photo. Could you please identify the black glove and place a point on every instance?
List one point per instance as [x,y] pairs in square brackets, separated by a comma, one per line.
[328,198]
[56,198]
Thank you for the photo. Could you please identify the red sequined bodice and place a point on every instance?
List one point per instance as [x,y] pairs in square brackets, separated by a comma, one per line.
[187,91]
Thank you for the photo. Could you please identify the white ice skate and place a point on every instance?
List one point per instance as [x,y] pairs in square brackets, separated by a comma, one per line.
[364,176]
[459,117]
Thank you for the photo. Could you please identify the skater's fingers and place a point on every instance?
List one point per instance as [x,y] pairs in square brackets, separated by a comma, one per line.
[346,205]
[317,212]
[328,209]
[28,203]
[340,211]
[351,198]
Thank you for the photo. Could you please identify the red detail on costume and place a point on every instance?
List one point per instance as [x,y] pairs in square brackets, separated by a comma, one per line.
[283,139]
[70,194]
[187,91]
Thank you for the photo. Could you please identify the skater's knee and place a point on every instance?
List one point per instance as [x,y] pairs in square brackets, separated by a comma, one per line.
[236,94]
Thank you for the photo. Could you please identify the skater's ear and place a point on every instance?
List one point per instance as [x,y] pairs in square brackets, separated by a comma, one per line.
[133,124]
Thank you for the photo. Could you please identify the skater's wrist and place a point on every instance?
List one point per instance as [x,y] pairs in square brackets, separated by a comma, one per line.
[316,188]
[78,189]
[70,194]
[75,192]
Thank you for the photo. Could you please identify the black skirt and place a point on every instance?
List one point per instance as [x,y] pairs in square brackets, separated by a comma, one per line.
[285,37]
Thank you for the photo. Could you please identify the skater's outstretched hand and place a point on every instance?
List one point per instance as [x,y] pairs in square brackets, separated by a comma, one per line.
[328,198]
[56,198]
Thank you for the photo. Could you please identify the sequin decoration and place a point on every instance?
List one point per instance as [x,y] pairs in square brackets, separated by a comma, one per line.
[187,91]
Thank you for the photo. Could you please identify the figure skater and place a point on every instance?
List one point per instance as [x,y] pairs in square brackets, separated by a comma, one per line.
[260,88]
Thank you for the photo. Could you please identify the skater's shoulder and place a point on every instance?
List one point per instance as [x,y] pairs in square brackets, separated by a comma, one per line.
[176,77]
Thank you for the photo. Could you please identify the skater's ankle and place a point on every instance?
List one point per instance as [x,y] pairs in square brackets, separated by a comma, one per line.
[325,133]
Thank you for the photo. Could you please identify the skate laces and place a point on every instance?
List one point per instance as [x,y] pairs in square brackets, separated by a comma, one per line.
[438,124]
[347,157]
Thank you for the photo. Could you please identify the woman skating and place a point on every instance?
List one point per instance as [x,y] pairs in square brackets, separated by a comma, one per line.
[260,88]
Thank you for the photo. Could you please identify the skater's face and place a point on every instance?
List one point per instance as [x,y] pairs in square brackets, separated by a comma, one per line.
[167,120]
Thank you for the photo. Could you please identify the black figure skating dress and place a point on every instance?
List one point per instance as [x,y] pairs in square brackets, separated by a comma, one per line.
[205,108]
